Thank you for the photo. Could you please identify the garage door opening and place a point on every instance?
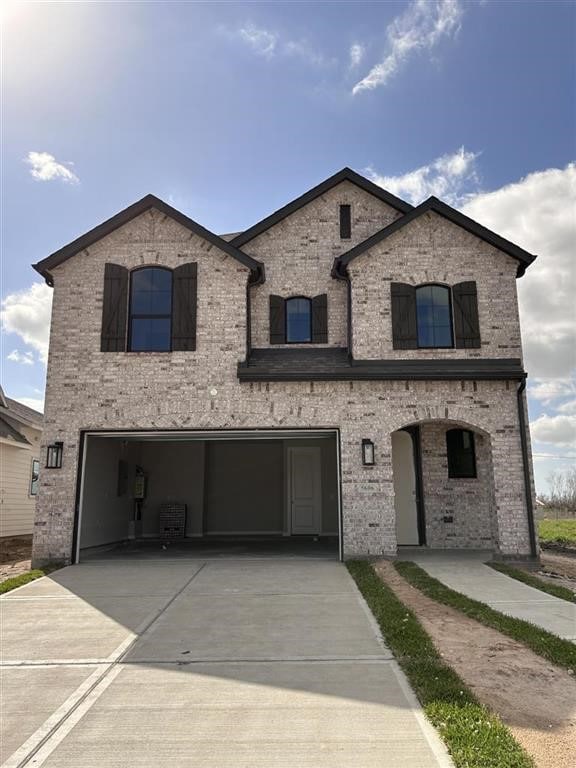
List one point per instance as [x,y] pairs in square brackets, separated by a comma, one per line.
[206,492]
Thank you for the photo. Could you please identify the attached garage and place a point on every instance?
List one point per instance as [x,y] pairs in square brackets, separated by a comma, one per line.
[195,489]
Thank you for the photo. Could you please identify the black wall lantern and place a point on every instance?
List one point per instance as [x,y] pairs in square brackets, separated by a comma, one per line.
[54,455]
[367,453]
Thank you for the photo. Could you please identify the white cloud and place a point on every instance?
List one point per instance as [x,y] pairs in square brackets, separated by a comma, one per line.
[422,26]
[537,213]
[559,430]
[357,52]
[27,314]
[271,44]
[45,167]
[548,390]
[262,41]
[26,358]
[448,177]
[569,407]
[32,402]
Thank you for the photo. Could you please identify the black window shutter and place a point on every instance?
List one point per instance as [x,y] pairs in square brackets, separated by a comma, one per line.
[345,222]
[114,307]
[404,326]
[184,297]
[466,323]
[320,319]
[277,320]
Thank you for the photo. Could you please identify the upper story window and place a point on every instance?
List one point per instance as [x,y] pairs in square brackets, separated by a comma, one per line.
[150,310]
[298,320]
[434,316]
[461,453]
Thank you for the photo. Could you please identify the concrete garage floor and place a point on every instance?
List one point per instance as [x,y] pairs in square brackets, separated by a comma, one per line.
[244,663]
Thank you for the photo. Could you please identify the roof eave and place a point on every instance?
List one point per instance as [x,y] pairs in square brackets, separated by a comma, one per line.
[523,257]
[346,174]
[45,266]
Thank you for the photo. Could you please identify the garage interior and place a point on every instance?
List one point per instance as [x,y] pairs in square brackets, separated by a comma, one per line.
[224,492]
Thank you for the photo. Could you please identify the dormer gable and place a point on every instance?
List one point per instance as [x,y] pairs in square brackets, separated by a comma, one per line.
[45,266]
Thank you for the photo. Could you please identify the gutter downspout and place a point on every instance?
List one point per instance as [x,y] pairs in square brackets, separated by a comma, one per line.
[256,277]
[526,467]
[338,273]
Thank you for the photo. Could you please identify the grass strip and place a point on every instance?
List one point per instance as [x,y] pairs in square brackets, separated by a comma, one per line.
[558,532]
[545,644]
[19,581]
[474,736]
[533,581]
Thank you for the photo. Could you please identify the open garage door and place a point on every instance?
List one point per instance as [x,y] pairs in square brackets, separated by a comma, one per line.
[275,489]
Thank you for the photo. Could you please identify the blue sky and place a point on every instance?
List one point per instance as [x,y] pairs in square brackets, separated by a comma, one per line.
[229,110]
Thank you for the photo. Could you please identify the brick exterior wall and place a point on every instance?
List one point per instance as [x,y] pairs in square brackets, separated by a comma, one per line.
[433,250]
[87,389]
[299,252]
[468,501]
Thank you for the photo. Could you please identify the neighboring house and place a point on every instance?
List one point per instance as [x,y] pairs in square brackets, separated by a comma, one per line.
[350,367]
[20,436]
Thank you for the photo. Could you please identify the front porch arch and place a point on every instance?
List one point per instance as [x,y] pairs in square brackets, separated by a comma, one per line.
[448,512]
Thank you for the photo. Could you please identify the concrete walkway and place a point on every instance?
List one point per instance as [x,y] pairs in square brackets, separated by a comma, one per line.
[212,663]
[465,572]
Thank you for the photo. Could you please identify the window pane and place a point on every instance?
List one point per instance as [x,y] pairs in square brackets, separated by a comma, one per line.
[461,453]
[433,313]
[425,336]
[439,295]
[142,279]
[298,320]
[150,335]
[141,302]
[161,303]
[34,480]
[151,292]
[442,336]
[162,279]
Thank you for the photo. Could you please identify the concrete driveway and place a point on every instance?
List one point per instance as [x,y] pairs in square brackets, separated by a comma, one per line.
[213,663]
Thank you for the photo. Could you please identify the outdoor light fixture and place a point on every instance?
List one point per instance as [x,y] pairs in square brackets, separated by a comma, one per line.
[367,453]
[54,455]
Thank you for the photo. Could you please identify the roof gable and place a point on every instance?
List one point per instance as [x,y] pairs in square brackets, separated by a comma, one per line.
[45,266]
[451,214]
[346,174]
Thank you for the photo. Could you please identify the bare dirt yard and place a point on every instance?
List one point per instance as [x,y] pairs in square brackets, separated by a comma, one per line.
[558,568]
[15,554]
[535,699]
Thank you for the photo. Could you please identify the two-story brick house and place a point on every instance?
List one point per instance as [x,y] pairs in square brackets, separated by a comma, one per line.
[349,369]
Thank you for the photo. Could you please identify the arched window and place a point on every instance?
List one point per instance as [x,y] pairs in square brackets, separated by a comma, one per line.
[298,320]
[434,316]
[150,310]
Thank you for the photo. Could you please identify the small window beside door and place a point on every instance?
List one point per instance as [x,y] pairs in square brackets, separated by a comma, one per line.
[34,477]
[461,453]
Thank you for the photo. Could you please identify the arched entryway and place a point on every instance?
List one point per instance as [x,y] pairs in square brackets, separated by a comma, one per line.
[444,486]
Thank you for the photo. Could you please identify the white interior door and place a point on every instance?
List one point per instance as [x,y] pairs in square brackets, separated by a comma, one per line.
[305,489]
[405,504]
